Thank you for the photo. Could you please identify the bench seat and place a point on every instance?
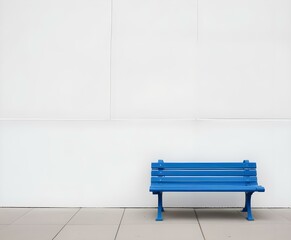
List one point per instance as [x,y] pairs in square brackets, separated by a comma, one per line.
[203,188]
[205,177]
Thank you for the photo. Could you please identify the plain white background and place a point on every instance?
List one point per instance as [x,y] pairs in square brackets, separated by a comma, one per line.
[91,92]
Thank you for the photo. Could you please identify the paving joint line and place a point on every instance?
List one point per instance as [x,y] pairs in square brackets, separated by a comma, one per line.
[14,221]
[199,225]
[119,224]
[66,224]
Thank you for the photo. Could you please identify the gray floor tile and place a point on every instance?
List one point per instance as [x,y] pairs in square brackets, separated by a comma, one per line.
[160,232]
[138,223]
[220,215]
[9,215]
[267,216]
[148,216]
[235,215]
[88,232]
[250,231]
[29,232]
[286,213]
[47,216]
[97,216]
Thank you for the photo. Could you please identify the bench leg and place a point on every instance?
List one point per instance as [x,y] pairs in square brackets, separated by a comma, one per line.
[160,207]
[248,207]
[245,207]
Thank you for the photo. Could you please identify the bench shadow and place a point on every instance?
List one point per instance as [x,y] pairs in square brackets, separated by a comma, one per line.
[179,214]
[233,214]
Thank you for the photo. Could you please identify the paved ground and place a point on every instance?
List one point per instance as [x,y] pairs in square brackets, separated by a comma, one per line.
[140,224]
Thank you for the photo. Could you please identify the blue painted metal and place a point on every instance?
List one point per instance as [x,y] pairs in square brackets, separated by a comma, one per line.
[205,177]
[203,188]
[160,207]
[212,180]
[184,172]
[245,207]
[204,165]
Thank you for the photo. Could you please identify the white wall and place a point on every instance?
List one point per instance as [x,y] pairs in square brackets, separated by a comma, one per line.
[91,92]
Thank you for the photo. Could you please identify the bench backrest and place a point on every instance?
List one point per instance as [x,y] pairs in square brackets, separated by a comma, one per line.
[215,173]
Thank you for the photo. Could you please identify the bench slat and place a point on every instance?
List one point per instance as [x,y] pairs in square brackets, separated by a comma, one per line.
[202,165]
[215,183]
[204,173]
[199,180]
[203,188]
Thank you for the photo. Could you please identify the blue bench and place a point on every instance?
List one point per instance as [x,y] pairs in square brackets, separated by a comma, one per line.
[205,177]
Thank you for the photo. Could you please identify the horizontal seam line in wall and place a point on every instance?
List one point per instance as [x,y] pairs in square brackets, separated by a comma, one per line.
[146,119]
